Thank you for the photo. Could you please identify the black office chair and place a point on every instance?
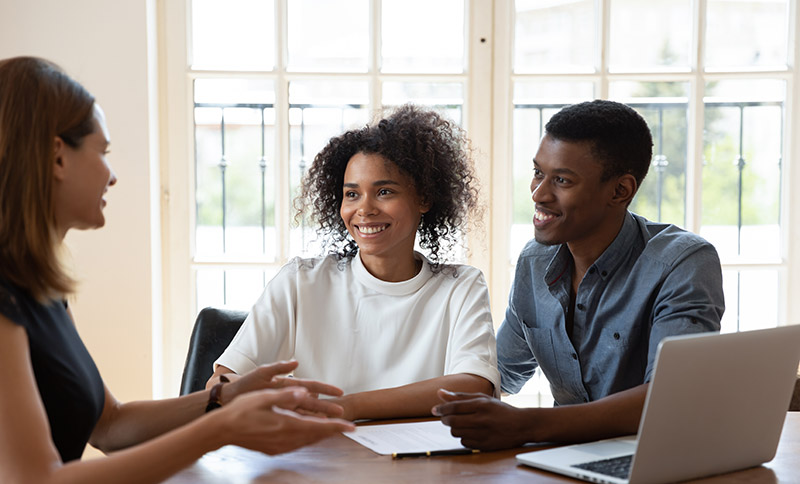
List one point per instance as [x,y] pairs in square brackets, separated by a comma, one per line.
[213,331]
[794,406]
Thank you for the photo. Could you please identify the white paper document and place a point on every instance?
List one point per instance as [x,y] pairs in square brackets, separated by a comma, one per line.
[407,438]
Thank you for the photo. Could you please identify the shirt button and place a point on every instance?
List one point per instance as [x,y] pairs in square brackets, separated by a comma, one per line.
[585,400]
[574,356]
[604,273]
[591,270]
[581,307]
[616,335]
[694,321]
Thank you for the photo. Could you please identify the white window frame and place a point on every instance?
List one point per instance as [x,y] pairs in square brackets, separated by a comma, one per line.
[488,113]
[787,265]
[177,171]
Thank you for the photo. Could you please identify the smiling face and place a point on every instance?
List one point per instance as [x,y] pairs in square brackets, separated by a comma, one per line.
[82,176]
[381,210]
[573,205]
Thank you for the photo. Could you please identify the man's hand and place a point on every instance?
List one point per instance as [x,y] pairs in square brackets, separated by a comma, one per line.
[482,422]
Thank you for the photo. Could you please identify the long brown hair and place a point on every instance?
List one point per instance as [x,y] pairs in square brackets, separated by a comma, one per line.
[38,102]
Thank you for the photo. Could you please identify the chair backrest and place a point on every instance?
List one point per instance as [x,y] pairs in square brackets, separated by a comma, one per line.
[794,406]
[213,331]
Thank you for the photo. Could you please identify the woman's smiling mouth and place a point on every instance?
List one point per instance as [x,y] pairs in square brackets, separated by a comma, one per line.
[371,229]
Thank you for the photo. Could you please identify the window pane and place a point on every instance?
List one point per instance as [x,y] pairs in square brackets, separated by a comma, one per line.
[235,34]
[422,36]
[318,111]
[328,36]
[751,300]
[742,167]
[235,190]
[445,97]
[555,36]
[234,91]
[652,35]
[534,104]
[741,34]
[664,105]
[234,289]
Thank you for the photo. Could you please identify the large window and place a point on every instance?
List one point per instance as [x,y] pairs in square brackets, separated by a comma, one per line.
[254,89]
[263,86]
[718,120]
[269,92]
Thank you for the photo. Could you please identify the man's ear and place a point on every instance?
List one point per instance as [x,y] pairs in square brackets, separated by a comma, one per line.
[59,148]
[624,190]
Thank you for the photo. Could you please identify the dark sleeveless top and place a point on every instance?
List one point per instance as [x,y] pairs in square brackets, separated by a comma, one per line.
[69,383]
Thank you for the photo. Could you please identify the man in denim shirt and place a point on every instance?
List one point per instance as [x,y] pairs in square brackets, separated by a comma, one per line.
[594,292]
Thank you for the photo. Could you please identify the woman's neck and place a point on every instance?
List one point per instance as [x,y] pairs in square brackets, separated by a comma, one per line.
[392,270]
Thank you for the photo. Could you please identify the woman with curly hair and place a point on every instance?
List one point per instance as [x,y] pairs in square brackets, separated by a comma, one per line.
[383,322]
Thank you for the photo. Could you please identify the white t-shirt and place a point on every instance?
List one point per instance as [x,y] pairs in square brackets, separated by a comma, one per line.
[360,333]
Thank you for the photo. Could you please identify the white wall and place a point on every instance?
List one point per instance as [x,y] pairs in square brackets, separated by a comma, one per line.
[106,46]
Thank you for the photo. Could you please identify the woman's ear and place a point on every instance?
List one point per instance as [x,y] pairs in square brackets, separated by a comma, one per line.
[59,148]
[624,190]
[424,207]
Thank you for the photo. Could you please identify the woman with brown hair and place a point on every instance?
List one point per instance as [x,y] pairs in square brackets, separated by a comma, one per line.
[53,177]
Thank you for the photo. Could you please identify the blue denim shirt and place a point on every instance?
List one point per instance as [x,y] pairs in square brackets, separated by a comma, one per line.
[654,280]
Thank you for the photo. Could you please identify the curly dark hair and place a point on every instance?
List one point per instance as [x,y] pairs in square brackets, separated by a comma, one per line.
[433,151]
[620,137]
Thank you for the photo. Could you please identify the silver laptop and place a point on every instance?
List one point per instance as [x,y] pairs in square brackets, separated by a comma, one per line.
[716,404]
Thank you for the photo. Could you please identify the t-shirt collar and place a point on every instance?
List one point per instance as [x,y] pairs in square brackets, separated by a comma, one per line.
[401,288]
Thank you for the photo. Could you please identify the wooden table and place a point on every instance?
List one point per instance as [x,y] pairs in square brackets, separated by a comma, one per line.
[339,459]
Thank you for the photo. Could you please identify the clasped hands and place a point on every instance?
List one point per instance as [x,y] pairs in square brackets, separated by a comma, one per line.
[267,411]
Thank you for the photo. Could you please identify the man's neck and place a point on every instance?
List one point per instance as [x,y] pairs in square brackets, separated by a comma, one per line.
[585,252]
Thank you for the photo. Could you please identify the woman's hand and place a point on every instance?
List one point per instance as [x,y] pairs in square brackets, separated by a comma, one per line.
[272,377]
[267,420]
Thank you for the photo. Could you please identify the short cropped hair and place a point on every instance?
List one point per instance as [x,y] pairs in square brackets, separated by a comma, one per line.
[433,151]
[619,136]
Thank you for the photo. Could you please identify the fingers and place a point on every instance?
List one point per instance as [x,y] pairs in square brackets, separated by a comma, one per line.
[448,396]
[459,403]
[285,398]
[317,424]
[313,386]
[278,368]
[313,406]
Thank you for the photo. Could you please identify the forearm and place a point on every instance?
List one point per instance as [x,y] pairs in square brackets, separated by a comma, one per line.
[132,423]
[412,400]
[148,463]
[612,416]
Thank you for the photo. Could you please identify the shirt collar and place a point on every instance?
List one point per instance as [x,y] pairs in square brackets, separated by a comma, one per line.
[620,248]
[402,288]
[608,261]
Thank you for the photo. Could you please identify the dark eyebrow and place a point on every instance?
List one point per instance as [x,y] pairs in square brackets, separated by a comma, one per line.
[558,171]
[376,183]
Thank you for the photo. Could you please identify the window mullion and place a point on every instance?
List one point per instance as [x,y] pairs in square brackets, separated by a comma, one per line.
[376,89]
[694,172]
[282,169]
[790,219]
[498,188]
[604,35]
[478,117]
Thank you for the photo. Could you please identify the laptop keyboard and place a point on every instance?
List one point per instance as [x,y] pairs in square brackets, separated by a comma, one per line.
[619,467]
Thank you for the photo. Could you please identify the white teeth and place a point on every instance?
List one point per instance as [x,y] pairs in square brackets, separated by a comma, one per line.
[371,230]
[541,216]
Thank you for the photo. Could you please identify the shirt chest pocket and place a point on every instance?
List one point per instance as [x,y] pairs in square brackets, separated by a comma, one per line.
[540,341]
